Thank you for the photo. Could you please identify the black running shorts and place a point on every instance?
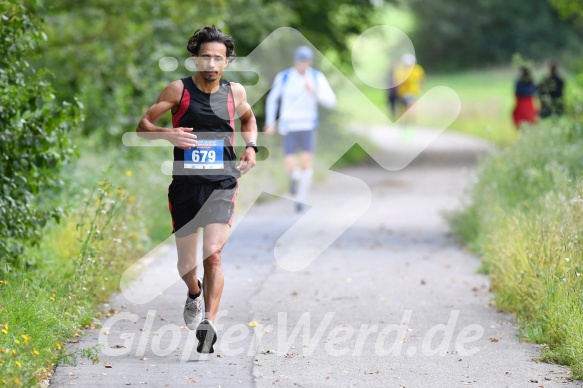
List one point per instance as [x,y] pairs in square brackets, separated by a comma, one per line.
[194,206]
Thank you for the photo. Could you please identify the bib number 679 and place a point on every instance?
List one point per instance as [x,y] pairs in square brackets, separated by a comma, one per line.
[204,156]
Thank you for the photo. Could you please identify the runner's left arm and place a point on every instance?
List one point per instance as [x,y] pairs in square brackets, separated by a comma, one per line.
[248,126]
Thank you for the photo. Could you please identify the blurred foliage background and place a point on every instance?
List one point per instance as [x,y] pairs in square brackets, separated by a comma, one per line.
[106,48]
[76,75]
[458,34]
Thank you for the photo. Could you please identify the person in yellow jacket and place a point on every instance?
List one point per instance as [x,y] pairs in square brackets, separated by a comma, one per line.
[409,77]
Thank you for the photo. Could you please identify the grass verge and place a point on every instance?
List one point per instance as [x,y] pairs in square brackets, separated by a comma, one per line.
[526,220]
[53,290]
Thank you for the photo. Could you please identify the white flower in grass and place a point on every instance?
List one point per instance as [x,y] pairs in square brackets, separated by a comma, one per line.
[578,274]
[567,259]
[564,279]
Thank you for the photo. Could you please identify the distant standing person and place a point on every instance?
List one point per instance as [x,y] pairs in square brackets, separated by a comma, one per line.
[524,110]
[296,94]
[550,92]
[409,77]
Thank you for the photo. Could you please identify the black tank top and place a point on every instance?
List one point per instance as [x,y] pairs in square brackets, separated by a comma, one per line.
[212,117]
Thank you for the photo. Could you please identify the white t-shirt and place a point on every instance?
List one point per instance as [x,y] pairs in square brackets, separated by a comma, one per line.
[298,106]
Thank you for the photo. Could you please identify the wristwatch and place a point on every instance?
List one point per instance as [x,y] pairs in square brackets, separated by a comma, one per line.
[253,145]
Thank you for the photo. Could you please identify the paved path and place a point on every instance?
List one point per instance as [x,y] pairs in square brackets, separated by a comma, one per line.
[393,302]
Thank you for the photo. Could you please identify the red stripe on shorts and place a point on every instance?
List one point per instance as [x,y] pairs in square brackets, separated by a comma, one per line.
[170,208]
[234,200]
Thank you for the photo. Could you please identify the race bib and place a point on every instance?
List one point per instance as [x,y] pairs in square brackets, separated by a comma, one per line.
[207,155]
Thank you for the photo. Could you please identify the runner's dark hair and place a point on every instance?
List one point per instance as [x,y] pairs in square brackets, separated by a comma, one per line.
[211,34]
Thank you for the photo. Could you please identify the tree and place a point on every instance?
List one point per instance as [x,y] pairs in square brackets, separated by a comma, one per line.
[569,9]
[34,132]
[461,33]
[111,62]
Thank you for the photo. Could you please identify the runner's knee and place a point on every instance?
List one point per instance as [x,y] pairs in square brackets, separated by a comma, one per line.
[213,260]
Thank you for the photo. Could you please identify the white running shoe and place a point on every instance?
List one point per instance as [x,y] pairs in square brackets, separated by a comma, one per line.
[193,309]
[207,336]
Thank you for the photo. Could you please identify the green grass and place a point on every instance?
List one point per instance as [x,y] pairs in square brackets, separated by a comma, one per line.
[54,289]
[526,220]
[486,103]
[487,99]
[113,216]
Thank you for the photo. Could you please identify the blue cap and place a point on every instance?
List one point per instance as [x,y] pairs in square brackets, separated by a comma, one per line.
[303,53]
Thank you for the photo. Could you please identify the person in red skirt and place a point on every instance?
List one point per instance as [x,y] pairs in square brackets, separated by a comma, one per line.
[525,110]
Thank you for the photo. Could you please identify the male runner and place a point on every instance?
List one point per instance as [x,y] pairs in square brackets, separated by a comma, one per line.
[205,176]
[297,92]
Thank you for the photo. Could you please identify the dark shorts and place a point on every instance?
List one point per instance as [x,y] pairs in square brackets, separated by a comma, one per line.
[302,140]
[408,99]
[194,206]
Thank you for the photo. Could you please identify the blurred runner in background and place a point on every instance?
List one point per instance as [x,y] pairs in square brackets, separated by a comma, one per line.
[294,98]
[408,78]
[392,92]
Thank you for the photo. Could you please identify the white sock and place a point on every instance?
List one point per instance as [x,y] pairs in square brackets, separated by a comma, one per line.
[304,185]
[296,174]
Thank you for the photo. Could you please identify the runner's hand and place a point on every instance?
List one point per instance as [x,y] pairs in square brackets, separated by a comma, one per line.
[309,86]
[247,161]
[181,137]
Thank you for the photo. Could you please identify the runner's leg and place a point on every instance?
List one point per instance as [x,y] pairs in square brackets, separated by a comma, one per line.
[187,261]
[305,181]
[214,238]
[307,144]
[289,160]
[306,160]
[290,164]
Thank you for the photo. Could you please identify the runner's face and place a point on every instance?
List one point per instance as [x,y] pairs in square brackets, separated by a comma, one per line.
[211,60]
[302,66]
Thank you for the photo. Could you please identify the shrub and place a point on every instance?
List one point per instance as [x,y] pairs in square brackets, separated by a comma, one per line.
[34,141]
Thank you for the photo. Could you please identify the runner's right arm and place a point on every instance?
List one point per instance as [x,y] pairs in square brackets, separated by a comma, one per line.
[169,99]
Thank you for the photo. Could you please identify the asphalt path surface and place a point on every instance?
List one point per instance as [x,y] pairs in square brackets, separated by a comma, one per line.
[394,301]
